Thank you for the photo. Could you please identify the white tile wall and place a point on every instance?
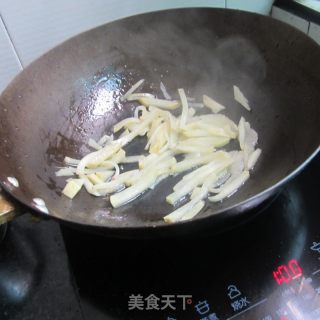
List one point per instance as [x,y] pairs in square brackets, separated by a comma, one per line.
[291,19]
[9,62]
[263,7]
[314,32]
[36,26]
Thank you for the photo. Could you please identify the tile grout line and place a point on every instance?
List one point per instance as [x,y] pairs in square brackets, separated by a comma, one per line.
[11,41]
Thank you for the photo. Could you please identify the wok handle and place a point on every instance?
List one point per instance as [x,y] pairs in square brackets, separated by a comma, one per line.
[8,210]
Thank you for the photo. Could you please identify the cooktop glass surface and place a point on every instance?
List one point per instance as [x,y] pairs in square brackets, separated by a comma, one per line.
[267,268]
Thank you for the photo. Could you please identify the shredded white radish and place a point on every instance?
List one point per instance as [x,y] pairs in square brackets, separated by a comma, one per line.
[134,191]
[132,89]
[165,93]
[237,163]
[66,172]
[218,125]
[235,170]
[137,96]
[195,104]
[215,164]
[213,105]
[105,175]
[131,159]
[112,164]
[141,109]
[109,187]
[253,158]
[88,185]
[94,144]
[202,173]
[213,141]
[213,173]
[195,193]
[222,177]
[194,211]
[178,214]
[141,127]
[165,104]
[239,97]
[94,159]
[71,161]
[104,139]
[94,179]
[192,162]
[231,187]
[191,113]
[193,149]
[248,139]
[241,136]
[153,159]
[185,107]
[72,188]
[185,212]
[124,123]
[121,179]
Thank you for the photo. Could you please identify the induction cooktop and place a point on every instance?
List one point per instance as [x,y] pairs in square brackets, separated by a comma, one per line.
[266,268]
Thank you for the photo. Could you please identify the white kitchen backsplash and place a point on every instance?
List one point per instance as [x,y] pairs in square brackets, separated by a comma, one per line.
[35,26]
[9,62]
[289,18]
[260,6]
[314,32]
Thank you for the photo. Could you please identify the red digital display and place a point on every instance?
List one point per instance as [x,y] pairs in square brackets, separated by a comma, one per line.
[287,273]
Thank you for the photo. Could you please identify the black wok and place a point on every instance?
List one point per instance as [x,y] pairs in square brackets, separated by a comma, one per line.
[71,93]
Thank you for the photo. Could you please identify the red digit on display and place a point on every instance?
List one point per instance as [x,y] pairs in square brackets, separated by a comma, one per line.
[285,274]
[295,268]
[282,275]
